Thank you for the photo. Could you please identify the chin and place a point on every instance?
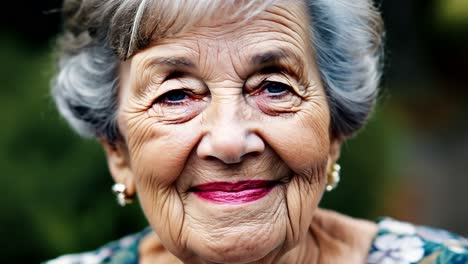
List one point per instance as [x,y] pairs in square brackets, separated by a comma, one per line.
[248,245]
[243,233]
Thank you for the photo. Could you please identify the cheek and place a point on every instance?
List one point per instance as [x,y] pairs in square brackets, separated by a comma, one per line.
[159,152]
[301,140]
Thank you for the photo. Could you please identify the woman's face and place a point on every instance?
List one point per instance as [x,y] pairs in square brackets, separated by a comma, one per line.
[226,132]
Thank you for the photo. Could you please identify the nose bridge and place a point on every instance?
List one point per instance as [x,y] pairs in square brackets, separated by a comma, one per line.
[226,112]
[227,127]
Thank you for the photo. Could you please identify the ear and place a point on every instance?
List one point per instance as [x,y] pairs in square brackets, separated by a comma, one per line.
[335,151]
[118,162]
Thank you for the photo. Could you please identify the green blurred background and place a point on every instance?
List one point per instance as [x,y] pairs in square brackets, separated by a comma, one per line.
[410,162]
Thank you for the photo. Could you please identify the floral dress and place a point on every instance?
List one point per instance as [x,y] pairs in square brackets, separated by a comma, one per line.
[403,243]
[395,243]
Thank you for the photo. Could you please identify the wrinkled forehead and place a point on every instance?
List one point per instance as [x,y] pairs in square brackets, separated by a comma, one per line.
[233,47]
[159,19]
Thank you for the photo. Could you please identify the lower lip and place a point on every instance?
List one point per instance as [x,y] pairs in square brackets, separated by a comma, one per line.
[234,193]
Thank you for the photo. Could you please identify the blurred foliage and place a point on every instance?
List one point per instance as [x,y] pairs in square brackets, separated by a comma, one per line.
[56,197]
[56,185]
[452,12]
[370,165]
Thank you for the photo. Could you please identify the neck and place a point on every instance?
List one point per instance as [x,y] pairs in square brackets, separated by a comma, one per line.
[307,251]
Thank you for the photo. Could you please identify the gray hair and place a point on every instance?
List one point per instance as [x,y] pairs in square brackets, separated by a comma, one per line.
[346,36]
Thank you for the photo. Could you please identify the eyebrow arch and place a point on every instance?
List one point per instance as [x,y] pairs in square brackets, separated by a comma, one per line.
[167,63]
[271,57]
[293,63]
[172,62]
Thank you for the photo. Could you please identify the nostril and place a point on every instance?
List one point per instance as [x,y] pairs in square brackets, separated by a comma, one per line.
[230,146]
[251,155]
[232,159]
[210,150]
[210,158]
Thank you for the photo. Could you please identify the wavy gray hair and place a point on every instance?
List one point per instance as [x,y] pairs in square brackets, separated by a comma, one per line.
[346,36]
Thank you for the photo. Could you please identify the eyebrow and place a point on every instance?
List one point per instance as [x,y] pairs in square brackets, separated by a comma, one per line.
[272,56]
[169,63]
[172,62]
[268,57]
[259,60]
[294,63]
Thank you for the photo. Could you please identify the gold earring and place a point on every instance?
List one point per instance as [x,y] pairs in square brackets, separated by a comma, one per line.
[333,178]
[119,189]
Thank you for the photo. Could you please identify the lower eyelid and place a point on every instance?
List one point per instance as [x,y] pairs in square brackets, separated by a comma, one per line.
[178,103]
[287,90]
[279,95]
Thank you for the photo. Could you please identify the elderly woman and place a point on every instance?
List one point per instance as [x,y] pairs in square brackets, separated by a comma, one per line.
[226,119]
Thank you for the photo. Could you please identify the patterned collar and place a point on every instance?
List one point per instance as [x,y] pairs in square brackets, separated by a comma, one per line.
[395,243]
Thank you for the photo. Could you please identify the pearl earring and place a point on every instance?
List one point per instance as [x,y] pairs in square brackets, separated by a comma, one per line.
[333,178]
[119,189]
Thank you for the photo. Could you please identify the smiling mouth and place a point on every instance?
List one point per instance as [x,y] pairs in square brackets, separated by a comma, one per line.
[233,192]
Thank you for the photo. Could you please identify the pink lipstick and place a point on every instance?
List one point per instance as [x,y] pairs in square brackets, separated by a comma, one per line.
[233,192]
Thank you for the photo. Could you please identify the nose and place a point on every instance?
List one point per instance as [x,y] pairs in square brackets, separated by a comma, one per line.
[229,137]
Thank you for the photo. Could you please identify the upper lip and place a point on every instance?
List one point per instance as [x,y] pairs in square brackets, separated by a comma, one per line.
[233,186]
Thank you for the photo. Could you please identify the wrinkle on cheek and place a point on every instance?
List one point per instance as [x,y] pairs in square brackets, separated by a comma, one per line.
[310,128]
[314,175]
[163,206]
[139,130]
[314,117]
[302,196]
[315,107]
[319,137]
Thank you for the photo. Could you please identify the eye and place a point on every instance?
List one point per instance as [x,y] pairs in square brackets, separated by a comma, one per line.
[173,97]
[275,87]
[274,96]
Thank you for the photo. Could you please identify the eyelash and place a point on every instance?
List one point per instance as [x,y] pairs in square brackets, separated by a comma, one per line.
[189,95]
[163,98]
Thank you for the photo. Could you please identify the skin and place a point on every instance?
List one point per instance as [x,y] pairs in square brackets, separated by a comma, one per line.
[226,121]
